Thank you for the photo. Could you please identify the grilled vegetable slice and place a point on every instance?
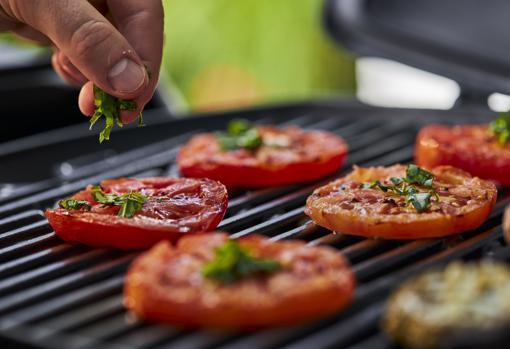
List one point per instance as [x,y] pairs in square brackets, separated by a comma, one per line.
[135,213]
[426,310]
[473,148]
[284,282]
[355,205]
[262,156]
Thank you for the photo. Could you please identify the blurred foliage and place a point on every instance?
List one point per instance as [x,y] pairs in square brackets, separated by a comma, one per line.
[226,53]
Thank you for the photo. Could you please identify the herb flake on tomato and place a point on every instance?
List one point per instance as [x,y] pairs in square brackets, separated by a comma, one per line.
[73,204]
[233,263]
[403,187]
[500,128]
[129,203]
[241,134]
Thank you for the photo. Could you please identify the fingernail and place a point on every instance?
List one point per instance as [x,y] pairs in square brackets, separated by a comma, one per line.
[126,76]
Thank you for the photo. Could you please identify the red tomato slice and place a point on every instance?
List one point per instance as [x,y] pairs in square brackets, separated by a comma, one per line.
[174,207]
[295,156]
[346,206]
[471,148]
[166,284]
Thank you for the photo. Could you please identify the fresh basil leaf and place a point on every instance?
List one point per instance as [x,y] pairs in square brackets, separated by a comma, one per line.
[396,180]
[73,204]
[420,201]
[500,128]
[129,203]
[110,107]
[240,135]
[417,175]
[232,263]
[404,187]
[238,127]
[250,139]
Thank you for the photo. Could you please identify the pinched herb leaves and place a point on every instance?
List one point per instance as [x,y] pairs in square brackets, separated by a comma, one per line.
[129,203]
[404,187]
[233,263]
[241,134]
[73,204]
[110,107]
[500,128]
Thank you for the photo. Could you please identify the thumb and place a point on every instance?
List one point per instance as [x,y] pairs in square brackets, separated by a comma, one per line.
[90,41]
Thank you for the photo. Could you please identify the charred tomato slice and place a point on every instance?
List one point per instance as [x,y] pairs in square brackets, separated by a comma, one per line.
[472,148]
[285,156]
[173,207]
[348,205]
[167,284]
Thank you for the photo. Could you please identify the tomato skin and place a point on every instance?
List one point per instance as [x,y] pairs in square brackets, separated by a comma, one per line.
[468,147]
[310,156]
[101,227]
[166,285]
[324,208]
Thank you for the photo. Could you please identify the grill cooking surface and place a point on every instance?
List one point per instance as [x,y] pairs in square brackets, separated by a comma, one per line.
[60,295]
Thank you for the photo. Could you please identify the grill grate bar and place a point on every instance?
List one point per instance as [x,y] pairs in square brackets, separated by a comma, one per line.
[18,265]
[34,276]
[59,285]
[83,315]
[72,299]
[20,219]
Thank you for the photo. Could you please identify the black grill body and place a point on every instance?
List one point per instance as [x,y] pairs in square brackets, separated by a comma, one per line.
[61,295]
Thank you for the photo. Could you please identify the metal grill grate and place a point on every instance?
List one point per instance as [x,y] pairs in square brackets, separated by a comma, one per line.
[60,295]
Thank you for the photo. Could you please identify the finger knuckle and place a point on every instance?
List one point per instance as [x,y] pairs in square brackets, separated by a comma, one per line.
[90,35]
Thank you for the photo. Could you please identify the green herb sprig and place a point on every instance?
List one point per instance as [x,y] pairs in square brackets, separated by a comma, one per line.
[110,107]
[73,204]
[240,134]
[404,187]
[500,128]
[233,263]
[129,203]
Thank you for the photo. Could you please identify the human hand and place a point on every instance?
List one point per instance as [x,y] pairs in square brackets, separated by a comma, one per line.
[114,44]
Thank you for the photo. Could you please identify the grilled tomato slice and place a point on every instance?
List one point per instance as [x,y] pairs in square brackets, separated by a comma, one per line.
[263,156]
[428,310]
[472,148]
[173,285]
[170,208]
[384,202]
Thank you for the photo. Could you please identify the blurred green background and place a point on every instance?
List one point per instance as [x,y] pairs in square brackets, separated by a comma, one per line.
[228,53]
[231,53]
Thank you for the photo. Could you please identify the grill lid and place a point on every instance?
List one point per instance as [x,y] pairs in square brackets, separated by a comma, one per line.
[458,39]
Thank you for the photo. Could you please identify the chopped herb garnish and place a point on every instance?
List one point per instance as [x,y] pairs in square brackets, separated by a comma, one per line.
[110,107]
[241,134]
[500,128]
[73,204]
[417,175]
[420,201]
[129,203]
[233,263]
[404,187]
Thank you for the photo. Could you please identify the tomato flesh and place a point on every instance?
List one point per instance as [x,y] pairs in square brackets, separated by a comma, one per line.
[166,284]
[346,206]
[469,147]
[174,207]
[295,156]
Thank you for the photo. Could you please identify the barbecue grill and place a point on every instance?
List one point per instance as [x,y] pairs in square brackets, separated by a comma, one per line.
[61,295]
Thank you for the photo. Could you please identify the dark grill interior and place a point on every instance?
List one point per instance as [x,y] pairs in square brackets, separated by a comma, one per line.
[60,295]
